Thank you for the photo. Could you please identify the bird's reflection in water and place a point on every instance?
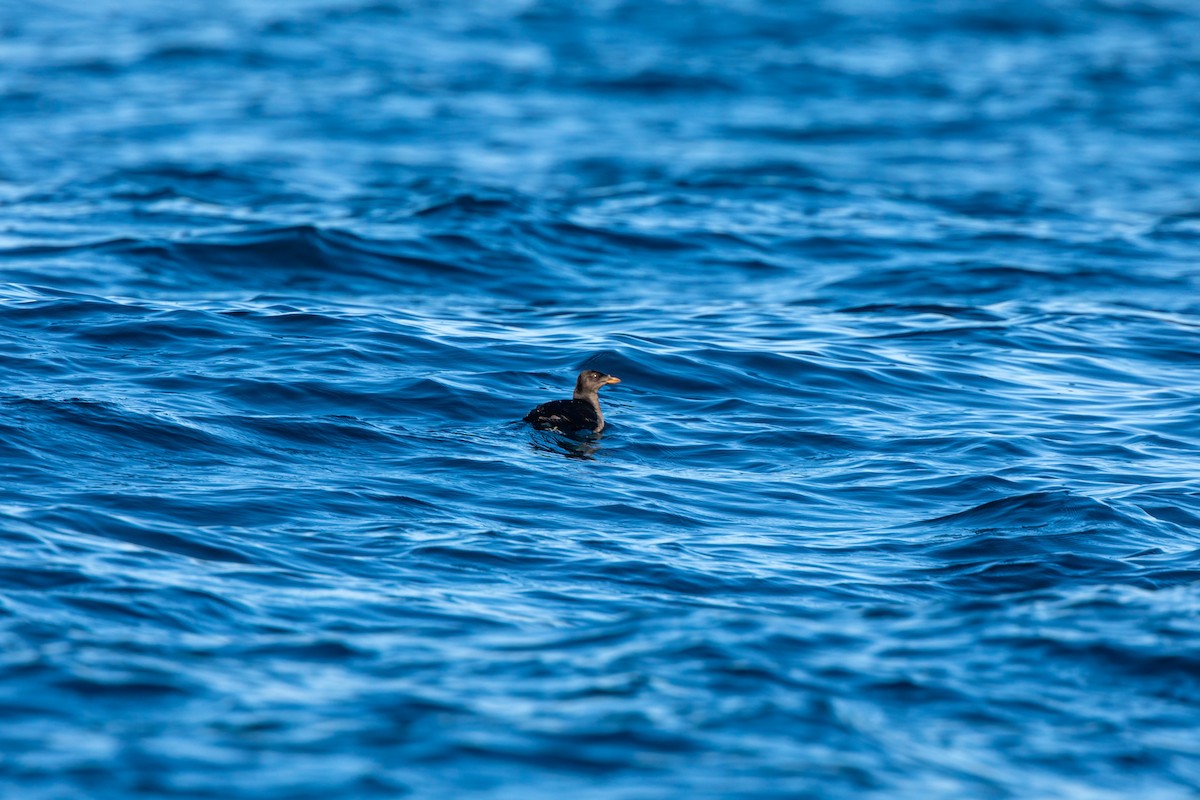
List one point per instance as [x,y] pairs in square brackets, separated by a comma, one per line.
[553,442]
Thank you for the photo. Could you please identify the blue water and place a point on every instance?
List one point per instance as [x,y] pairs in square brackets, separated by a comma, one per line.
[900,492]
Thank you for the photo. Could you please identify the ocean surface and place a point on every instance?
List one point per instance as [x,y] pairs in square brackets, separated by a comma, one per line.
[900,491]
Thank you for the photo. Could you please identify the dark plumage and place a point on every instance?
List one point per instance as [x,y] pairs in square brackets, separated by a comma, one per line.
[580,413]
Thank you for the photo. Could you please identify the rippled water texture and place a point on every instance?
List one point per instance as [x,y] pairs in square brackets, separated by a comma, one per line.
[899,492]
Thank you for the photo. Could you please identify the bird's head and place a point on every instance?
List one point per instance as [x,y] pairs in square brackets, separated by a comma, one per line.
[590,381]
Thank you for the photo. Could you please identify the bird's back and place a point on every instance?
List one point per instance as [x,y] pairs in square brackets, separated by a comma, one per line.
[565,415]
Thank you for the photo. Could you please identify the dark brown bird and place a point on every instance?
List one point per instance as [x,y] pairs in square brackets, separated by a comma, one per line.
[580,413]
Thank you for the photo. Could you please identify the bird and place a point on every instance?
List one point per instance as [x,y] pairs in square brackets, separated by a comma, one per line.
[580,413]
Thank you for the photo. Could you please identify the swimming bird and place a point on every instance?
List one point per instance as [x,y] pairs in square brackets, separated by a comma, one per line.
[580,413]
